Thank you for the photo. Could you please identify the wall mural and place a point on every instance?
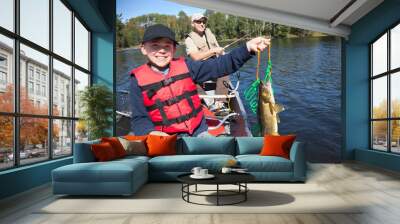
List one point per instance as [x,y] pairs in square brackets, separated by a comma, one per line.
[293,87]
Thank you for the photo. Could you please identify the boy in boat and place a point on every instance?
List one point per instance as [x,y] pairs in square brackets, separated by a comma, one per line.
[163,91]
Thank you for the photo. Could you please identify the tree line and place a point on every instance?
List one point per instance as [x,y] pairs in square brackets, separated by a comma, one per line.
[224,27]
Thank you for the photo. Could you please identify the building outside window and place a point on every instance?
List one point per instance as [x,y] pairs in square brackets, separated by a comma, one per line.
[55,97]
[3,81]
[43,90]
[30,72]
[37,75]
[385,91]
[30,87]
[3,61]
[43,78]
[3,72]
[62,86]
[37,89]
[3,78]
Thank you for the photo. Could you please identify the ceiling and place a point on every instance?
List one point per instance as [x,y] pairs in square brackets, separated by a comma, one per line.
[333,17]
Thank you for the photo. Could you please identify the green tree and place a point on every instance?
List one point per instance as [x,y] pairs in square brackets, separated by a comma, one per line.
[224,26]
[230,27]
[216,22]
[120,37]
[299,32]
[183,25]
[279,30]
[133,33]
[242,27]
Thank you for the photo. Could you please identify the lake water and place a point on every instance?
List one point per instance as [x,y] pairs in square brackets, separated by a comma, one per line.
[306,80]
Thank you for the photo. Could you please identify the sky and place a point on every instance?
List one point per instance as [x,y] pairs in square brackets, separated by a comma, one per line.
[133,8]
[34,26]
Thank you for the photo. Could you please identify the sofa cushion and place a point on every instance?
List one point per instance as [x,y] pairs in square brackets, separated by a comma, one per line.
[257,163]
[134,147]
[249,145]
[277,145]
[161,145]
[135,137]
[103,152]
[209,145]
[185,163]
[83,152]
[93,172]
[116,145]
[112,171]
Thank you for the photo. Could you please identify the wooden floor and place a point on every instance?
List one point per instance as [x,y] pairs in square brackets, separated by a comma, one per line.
[377,188]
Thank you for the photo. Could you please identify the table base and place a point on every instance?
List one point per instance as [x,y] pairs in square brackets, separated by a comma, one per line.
[241,191]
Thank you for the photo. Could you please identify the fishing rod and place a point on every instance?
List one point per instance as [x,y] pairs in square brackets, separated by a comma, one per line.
[234,42]
[245,36]
[226,46]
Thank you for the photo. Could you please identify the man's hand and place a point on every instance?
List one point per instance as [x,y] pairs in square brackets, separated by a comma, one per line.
[217,50]
[159,133]
[258,44]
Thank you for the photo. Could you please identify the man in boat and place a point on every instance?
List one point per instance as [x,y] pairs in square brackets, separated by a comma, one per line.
[163,92]
[201,44]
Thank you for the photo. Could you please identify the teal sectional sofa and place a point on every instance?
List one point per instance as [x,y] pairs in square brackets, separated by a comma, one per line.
[125,176]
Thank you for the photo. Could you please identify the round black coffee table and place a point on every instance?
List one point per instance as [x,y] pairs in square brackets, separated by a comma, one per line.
[238,179]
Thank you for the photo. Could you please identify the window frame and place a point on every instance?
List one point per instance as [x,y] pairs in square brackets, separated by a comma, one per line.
[16,114]
[388,74]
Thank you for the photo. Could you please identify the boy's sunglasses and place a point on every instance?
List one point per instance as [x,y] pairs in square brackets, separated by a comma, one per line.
[200,21]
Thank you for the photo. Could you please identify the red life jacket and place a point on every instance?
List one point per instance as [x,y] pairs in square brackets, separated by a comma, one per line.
[171,100]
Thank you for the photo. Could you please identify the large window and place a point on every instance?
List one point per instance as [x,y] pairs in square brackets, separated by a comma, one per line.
[44,64]
[385,91]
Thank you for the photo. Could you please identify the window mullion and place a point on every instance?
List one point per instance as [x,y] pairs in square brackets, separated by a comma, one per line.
[50,81]
[389,113]
[88,58]
[16,84]
[73,81]
[371,89]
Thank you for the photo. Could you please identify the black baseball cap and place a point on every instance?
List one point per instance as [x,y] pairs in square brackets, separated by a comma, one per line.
[158,31]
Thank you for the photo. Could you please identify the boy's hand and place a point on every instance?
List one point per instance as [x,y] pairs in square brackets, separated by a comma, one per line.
[258,44]
[159,133]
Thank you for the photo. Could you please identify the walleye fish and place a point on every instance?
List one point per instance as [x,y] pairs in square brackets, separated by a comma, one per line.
[268,110]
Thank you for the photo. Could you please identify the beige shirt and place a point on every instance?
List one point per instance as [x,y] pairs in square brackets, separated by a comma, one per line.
[191,46]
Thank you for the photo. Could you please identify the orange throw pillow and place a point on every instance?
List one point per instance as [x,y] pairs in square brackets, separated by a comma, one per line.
[277,145]
[116,145]
[161,145]
[135,137]
[103,152]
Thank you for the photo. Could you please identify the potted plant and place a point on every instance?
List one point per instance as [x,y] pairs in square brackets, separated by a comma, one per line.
[96,102]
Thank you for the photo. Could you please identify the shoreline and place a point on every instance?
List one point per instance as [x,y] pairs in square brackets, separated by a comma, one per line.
[314,34]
